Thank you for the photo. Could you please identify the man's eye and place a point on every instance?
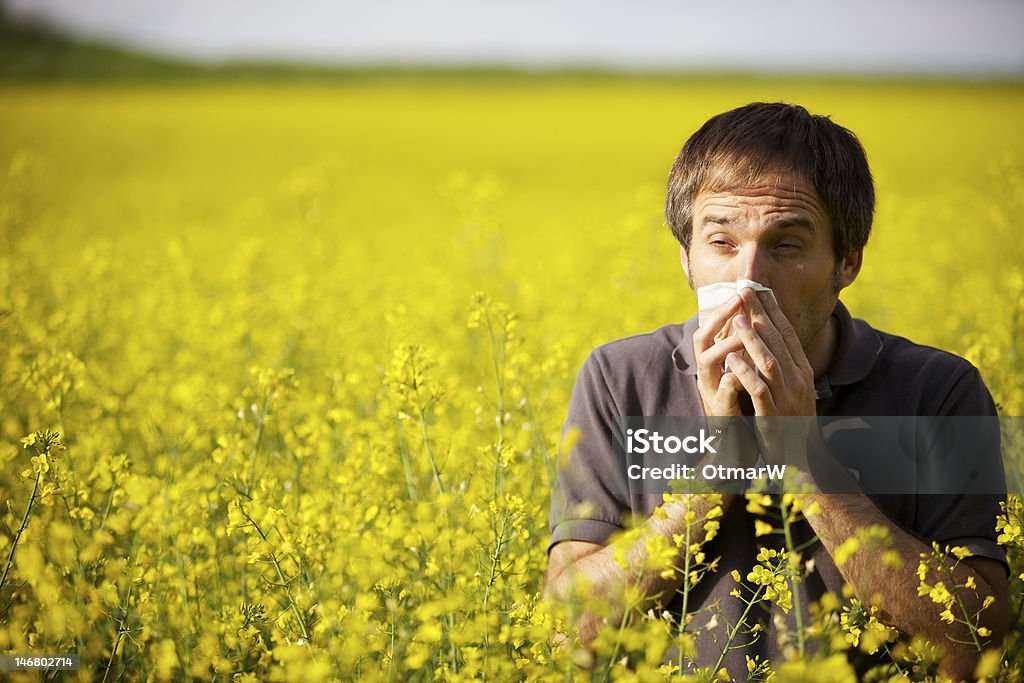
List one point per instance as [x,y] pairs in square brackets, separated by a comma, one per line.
[786,246]
[719,243]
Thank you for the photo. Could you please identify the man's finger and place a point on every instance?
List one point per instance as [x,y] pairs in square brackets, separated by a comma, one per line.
[760,354]
[760,392]
[705,335]
[730,386]
[726,400]
[782,324]
[714,357]
[711,363]
[767,330]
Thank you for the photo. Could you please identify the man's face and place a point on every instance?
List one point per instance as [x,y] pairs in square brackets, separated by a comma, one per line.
[778,234]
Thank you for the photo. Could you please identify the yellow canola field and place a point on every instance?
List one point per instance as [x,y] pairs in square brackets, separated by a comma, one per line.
[308,350]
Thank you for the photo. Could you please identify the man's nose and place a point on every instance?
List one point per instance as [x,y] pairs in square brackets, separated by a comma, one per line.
[751,264]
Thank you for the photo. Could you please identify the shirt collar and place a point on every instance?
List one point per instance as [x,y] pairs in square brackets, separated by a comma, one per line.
[858,349]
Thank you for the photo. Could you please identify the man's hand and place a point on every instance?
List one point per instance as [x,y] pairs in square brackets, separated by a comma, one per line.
[785,386]
[719,390]
[767,361]
[764,342]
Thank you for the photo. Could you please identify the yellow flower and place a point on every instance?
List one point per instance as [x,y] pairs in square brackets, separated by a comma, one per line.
[845,550]
[940,595]
[756,503]
[40,464]
[892,558]
[960,552]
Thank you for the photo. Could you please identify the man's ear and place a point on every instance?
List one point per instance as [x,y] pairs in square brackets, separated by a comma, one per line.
[849,267]
[684,259]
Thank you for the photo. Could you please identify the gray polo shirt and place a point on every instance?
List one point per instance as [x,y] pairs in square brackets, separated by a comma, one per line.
[873,374]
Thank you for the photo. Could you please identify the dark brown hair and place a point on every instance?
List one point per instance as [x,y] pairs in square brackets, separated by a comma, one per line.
[738,148]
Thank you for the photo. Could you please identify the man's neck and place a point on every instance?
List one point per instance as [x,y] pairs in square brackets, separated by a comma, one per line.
[823,347]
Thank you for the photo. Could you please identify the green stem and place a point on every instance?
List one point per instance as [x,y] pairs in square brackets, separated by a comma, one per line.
[110,660]
[21,530]
[284,582]
[736,629]
[498,359]
[403,453]
[794,581]
[121,631]
[686,598]
[618,643]
[391,657]
[495,563]
[110,500]
[430,451]
[892,659]
[967,620]
[256,445]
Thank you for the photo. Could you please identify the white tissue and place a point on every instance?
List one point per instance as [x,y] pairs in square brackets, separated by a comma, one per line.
[710,297]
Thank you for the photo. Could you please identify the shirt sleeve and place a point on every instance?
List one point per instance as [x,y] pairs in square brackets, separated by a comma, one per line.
[589,499]
[967,519]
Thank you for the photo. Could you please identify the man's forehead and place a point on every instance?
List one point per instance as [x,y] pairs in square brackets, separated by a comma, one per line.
[795,195]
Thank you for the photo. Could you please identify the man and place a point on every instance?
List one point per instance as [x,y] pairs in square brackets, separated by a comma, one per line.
[772,194]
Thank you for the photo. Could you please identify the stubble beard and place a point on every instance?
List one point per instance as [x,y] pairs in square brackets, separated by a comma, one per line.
[817,315]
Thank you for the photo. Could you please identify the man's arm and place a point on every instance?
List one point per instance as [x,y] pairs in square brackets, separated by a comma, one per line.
[583,570]
[585,574]
[894,588]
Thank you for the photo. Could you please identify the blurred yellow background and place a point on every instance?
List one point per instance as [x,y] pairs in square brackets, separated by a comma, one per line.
[266,296]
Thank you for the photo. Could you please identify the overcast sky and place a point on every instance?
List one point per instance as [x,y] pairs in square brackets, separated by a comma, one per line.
[910,36]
